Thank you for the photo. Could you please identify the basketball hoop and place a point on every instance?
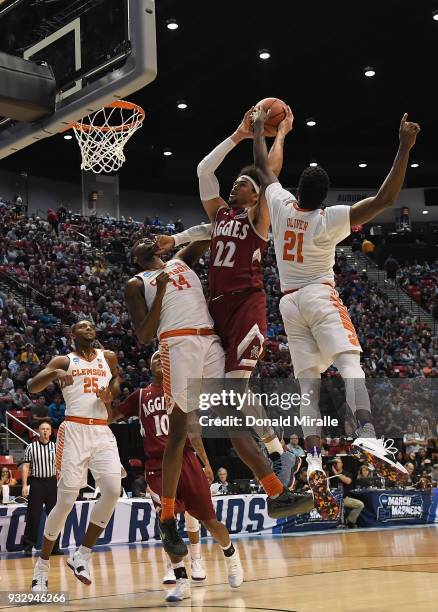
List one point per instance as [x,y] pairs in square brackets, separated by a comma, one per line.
[103,135]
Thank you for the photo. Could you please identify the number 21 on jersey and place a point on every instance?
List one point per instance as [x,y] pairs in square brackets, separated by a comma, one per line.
[292,240]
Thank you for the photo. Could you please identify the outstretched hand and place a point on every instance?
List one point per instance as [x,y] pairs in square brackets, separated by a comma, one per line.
[260,116]
[286,126]
[164,244]
[408,132]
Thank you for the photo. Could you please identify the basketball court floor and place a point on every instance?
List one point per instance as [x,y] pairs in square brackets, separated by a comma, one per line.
[362,571]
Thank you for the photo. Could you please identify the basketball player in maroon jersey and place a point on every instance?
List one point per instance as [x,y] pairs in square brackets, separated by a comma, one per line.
[193,492]
[239,236]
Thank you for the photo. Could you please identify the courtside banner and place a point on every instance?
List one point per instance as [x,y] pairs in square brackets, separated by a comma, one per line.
[134,520]
[398,406]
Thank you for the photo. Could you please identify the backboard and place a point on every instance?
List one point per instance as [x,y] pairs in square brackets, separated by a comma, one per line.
[99,50]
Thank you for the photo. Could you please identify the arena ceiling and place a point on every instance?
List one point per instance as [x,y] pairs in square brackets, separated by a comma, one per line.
[319,51]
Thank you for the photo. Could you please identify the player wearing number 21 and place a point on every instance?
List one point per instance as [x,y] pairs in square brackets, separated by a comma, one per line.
[317,324]
[89,381]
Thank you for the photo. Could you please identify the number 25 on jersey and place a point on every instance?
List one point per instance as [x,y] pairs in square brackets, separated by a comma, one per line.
[292,240]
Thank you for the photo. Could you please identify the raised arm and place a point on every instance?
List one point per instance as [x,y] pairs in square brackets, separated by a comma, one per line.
[192,234]
[56,369]
[208,184]
[145,321]
[366,210]
[261,160]
[193,252]
[260,213]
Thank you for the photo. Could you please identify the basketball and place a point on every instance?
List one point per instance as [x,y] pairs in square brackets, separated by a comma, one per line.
[277,108]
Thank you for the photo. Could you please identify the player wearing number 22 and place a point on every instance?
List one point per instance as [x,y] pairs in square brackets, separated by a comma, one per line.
[89,381]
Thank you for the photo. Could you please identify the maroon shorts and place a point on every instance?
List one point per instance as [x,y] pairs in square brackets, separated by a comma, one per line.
[193,492]
[240,322]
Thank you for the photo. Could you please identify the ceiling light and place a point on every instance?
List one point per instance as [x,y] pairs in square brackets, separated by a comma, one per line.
[425,212]
[362,164]
[415,164]
[313,164]
[68,137]
[310,122]
[369,71]
[264,54]
[171,24]
[167,153]
[435,15]
[181,104]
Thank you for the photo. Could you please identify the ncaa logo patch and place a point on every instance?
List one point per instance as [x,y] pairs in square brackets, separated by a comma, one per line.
[76,360]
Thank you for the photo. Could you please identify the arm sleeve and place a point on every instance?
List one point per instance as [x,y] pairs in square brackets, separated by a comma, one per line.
[129,407]
[193,234]
[208,183]
[338,222]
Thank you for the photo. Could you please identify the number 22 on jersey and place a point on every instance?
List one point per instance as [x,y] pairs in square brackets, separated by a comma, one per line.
[292,240]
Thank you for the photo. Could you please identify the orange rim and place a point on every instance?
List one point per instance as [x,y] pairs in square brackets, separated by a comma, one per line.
[86,127]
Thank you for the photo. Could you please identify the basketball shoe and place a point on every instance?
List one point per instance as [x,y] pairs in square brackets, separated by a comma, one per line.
[325,502]
[169,576]
[180,591]
[235,569]
[290,504]
[172,541]
[79,563]
[197,570]
[381,454]
[285,467]
[40,579]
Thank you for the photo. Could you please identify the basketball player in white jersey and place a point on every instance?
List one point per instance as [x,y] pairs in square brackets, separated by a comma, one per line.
[317,324]
[167,300]
[89,381]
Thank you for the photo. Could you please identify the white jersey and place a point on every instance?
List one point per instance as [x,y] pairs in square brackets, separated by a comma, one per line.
[305,241]
[88,377]
[184,305]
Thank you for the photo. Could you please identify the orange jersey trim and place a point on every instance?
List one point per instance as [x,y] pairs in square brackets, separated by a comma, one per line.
[86,421]
[173,333]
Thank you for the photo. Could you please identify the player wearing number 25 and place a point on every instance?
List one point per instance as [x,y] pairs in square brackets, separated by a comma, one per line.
[89,381]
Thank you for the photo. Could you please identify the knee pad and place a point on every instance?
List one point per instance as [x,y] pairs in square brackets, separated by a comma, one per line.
[57,517]
[109,494]
[192,524]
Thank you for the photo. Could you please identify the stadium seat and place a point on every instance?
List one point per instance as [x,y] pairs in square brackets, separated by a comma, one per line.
[24,417]
[7,460]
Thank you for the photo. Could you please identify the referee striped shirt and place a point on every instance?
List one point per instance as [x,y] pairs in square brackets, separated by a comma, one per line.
[41,458]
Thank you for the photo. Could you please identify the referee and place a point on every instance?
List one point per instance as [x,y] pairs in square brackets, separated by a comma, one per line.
[39,463]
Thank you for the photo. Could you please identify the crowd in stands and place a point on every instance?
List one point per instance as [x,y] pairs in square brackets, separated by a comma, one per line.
[70,267]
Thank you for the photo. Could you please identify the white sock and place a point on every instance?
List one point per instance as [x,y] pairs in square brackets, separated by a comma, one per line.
[43,563]
[83,550]
[274,446]
[314,462]
[195,550]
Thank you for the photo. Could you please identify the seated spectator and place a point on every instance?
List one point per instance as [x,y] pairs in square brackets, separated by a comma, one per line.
[412,440]
[344,481]
[410,467]
[57,411]
[139,486]
[294,446]
[20,399]
[220,486]
[40,411]
[6,383]
[6,480]
[366,478]
[28,355]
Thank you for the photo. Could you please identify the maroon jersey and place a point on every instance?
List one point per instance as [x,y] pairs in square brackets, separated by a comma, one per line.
[149,404]
[236,253]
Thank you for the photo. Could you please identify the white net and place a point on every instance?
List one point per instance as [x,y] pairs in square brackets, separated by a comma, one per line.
[103,135]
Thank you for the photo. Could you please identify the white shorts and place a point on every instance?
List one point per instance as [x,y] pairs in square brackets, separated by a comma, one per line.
[318,327]
[80,448]
[187,360]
